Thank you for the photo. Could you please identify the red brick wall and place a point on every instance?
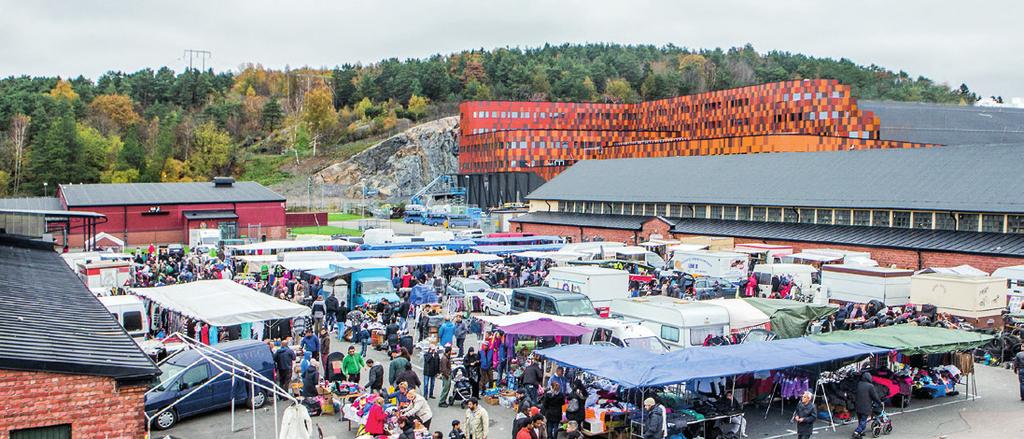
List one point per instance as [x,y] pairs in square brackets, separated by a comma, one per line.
[301,219]
[910,259]
[630,237]
[94,406]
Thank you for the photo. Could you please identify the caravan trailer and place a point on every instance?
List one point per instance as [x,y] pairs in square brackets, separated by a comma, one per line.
[678,323]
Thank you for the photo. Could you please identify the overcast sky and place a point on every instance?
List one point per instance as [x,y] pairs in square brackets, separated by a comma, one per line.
[979,43]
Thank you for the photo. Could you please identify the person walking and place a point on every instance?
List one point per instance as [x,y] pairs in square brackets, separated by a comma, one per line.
[397,366]
[310,378]
[532,378]
[325,345]
[1018,367]
[551,407]
[805,416]
[444,369]
[375,377]
[446,332]
[461,329]
[472,364]
[311,343]
[865,401]
[352,365]
[431,366]
[476,420]
[284,360]
[654,422]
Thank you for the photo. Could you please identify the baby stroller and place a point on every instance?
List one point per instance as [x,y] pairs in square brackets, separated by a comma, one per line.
[461,388]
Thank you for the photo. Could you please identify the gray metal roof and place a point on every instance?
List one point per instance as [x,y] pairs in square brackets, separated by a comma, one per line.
[1000,244]
[947,124]
[624,222]
[79,195]
[49,320]
[31,203]
[958,178]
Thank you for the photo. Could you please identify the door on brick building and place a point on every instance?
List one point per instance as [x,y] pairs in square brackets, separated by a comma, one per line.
[228,230]
[62,431]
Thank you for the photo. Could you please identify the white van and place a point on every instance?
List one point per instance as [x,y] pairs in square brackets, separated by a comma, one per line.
[678,323]
[622,333]
[378,236]
[130,312]
[727,265]
[437,236]
[497,301]
[601,285]
[1015,284]
[638,254]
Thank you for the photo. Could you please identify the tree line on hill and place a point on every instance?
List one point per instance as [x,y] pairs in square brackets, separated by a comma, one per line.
[164,125]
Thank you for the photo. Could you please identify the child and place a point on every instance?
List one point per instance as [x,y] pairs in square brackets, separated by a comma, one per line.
[456,432]
[571,431]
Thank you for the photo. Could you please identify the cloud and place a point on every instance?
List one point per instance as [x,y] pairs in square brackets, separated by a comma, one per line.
[951,43]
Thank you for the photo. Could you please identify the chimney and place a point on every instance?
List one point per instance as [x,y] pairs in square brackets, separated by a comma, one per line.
[223,181]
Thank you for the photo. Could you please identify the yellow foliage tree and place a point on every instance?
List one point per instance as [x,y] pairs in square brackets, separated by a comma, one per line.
[417,106]
[174,170]
[63,90]
[619,91]
[212,151]
[112,112]
[318,113]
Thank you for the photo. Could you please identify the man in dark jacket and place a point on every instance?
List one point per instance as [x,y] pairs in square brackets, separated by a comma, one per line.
[867,397]
[284,358]
[310,378]
[431,366]
[409,377]
[1018,367]
[654,420]
[532,378]
[375,379]
[804,416]
[444,369]
[331,304]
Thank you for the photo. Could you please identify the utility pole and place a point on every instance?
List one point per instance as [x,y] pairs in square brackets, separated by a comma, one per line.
[200,55]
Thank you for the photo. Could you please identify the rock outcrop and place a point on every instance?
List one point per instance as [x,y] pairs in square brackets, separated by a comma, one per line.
[401,164]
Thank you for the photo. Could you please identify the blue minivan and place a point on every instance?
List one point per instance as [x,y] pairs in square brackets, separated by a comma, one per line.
[217,394]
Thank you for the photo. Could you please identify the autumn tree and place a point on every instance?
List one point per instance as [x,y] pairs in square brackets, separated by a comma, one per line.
[111,113]
[63,90]
[619,91]
[417,107]
[211,152]
[318,113]
[18,137]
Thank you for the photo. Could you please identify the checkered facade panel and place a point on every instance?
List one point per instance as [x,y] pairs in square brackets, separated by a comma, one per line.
[546,137]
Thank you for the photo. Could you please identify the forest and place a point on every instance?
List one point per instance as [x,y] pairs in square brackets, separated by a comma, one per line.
[190,125]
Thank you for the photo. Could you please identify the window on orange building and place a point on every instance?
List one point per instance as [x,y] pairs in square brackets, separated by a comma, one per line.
[796,97]
[836,94]
[854,134]
[835,115]
[807,95]
[823,115]
[785,97]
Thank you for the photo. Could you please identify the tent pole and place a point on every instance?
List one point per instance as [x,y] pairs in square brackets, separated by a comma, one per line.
[828,407]
[232,399]
[252,405]
[771,399]
[277,431]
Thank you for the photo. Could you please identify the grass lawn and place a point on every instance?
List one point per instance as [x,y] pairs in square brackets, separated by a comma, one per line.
[325,230]
[338,216]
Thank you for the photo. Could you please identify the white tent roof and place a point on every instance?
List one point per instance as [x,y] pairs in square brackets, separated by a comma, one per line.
[408,261]
[314,264]
[741,314]
[816,257]
[221,302]
[104,235]
[291,245]
[687,247]
[959,270]
[630,250]
[555,256]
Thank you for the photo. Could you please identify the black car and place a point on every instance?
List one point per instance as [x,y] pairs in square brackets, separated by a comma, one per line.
[706,287]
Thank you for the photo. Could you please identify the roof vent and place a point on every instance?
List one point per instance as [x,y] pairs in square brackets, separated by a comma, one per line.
[223,181]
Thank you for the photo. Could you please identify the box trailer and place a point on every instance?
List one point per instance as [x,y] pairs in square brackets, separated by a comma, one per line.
[972,297]
[601,285]
[713,243]
[728,265]
[678,323]
[104,274]
[862,284]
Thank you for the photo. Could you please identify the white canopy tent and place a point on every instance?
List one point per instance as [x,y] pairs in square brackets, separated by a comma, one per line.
[555,256]
[221,302]
[742,315]
[286,245]
[408,261]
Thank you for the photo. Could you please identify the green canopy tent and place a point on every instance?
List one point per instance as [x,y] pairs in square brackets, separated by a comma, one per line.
[911,339]
[790,318]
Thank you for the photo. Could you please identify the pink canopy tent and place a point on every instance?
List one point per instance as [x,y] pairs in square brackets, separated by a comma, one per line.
[545,327]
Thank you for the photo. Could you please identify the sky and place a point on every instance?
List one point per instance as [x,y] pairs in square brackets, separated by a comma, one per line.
[977,43]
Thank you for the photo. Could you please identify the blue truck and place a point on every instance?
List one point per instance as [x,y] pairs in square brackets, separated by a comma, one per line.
[371,285]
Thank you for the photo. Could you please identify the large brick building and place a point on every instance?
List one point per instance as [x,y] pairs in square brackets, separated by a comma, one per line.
[144,213]
[914,208]
[67,368]
[507,149]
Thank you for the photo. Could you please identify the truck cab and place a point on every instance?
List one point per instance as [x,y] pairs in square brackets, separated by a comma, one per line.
[371,285]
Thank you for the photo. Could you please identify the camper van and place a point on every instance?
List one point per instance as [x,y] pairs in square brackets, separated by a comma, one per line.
[97,274]
[130,312]
[727,265]
[601,285]
[862,284]
[678,323]
[977,298]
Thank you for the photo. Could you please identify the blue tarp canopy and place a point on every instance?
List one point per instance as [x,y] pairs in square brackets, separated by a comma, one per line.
[509,249]
[635,368]
[449,245]
[514,240]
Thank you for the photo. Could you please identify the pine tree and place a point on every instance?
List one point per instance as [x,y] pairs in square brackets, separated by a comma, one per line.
[51,158]
[272,115]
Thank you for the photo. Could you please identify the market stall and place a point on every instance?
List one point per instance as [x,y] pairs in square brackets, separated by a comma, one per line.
[789,318]
[218,303]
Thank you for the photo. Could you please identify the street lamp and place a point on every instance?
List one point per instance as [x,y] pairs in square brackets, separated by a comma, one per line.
[45,184]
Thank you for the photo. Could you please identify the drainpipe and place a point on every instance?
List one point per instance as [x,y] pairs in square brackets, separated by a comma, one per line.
[581,234]
[124,218]
[920,260]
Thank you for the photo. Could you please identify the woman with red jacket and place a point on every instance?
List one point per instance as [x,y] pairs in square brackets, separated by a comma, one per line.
[375,419]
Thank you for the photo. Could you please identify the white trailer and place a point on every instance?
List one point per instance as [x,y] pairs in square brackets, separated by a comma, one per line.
[1015,283]
[862,284]
[678,323]
[727,265]
[104,275]
[601,285]
[978,298]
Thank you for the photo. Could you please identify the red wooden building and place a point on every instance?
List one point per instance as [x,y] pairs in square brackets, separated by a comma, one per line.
[160,213]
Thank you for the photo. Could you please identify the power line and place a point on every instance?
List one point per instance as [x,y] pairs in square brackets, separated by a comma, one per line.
[199,55]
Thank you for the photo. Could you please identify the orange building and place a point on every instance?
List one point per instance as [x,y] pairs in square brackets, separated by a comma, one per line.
[507,149]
